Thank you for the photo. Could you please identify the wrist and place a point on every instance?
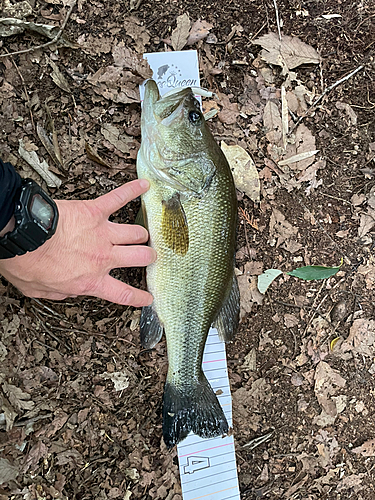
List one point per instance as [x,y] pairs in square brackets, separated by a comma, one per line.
[9,227]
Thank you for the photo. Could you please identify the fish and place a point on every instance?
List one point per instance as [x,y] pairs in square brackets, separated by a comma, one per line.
[190,211]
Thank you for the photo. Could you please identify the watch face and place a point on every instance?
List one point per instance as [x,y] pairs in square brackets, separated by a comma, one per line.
[42,211]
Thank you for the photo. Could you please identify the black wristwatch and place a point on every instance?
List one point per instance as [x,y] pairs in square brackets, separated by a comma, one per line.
[36,218]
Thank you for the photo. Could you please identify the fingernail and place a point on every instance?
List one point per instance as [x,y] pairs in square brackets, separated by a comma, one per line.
[144,183]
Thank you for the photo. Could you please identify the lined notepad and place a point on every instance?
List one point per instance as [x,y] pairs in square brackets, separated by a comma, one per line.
[207,466]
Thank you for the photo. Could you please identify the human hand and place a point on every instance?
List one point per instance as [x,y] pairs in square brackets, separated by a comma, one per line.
[85,247]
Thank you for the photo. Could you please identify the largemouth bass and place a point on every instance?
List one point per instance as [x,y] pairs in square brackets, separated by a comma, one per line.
[190,212]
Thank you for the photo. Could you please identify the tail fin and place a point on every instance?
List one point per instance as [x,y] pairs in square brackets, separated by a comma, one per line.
[194,409]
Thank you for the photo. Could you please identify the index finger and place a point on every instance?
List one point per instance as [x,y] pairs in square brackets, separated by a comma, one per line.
[114,200]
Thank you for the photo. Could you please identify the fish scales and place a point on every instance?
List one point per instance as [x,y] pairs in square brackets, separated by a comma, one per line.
[191,217]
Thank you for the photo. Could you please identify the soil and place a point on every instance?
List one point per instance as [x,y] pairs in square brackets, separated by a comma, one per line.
[65,431]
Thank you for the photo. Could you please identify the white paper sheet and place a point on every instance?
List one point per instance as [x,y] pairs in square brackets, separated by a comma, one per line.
[207,466]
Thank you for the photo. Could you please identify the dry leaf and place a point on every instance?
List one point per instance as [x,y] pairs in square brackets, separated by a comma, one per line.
[58,77]
[367,449]
[290,320]
[230,111]
[19,10]
[299,157]
[272,122]
[94,156]
[289,52]
[139,34]
[355,482]
[18,399]
[41,167]
[48,145]
[119,82]
[180,34]
[327,382]
[8,472]
[304,143]
[367,223]
[280,228]
[349,111]
[38,451]
[128,59]
[11,26]
[120,379]
[246,297]
[121,141]
[244,171]
[198,31]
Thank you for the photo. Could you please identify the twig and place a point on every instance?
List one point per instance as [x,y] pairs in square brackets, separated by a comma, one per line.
[328,89]
[257,33]
[47,44]
[277,19]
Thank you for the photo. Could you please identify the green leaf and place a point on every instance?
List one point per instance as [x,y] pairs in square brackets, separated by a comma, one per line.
[265,279]
[315,272]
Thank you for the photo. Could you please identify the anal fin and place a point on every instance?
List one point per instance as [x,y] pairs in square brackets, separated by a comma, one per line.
[228,317]
[151,328]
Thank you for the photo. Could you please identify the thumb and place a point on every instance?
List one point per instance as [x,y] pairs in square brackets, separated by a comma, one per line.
[116,199]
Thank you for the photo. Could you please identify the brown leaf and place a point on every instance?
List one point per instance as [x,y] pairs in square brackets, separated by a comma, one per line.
[289,52]
[57,423]
[198,31]
[58,77]
[349,111]
[290,320]
[230,111]
[367,223]
[128,59]
[140,35]
[355,482]
[121,141]
[327,382]
[272,122]
[367,449]
[8,472]
[180,34]
[280,228]
[38,451]
[304,142]
[19,399]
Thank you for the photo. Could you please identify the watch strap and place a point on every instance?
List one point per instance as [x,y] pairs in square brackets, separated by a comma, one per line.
[15,242]
[28,234]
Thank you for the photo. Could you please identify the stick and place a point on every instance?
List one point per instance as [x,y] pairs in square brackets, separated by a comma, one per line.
[328,89]
[277,19]
[47,44]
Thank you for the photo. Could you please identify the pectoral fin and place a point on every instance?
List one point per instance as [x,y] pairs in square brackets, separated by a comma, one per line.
[227,319]
[151,328]
[174,225]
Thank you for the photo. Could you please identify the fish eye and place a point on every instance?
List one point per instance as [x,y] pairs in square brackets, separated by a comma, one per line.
[194,117]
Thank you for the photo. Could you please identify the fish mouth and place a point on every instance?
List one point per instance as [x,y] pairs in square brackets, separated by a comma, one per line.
[164,109]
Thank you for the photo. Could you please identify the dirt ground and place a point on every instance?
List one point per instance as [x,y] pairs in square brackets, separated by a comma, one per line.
[302,364]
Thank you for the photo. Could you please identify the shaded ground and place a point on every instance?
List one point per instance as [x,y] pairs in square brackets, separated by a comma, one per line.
[66,432]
